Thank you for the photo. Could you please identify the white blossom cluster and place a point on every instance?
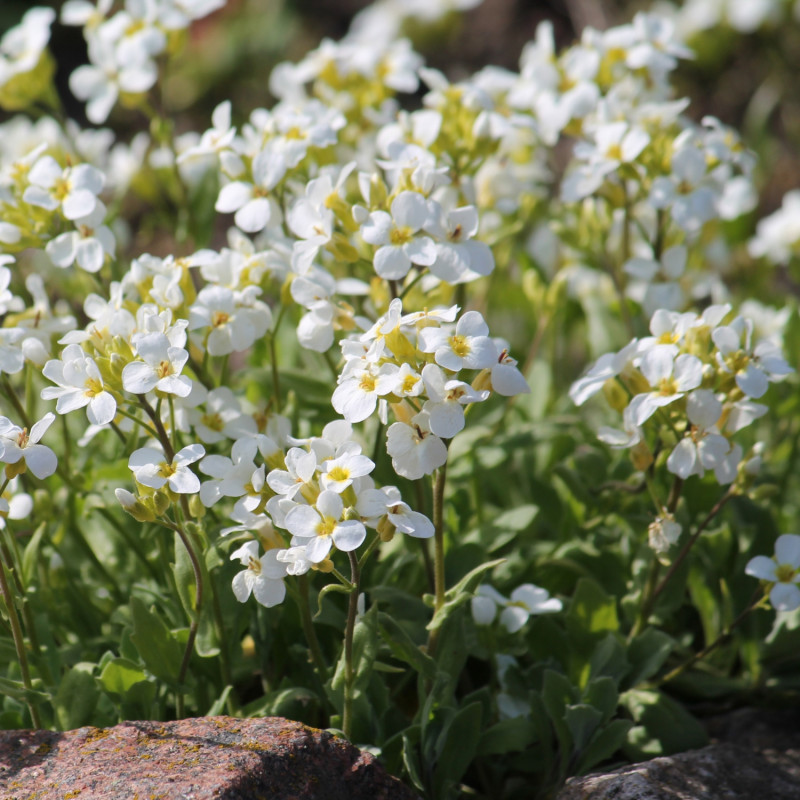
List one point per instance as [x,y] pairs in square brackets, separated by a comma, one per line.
[359,218]
[412,362]
[692,385]
[124,46]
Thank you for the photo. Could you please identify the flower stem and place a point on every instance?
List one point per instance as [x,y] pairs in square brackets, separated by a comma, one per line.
[438,551]
[19,644]
[349,676]
[757,602]
[652,593]
[308,628]
[193,625]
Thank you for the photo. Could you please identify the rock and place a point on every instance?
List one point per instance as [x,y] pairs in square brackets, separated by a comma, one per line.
[756,755]
[192,759]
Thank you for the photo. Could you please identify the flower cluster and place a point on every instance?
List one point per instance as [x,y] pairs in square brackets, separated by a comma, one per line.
[124,47]
[320,493]
[412,362]
[692,384]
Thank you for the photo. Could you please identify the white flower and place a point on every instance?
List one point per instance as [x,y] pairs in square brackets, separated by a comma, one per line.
[234,319]
[323,524]
[159,368]
[400,246]
[525,600]
[150,468]
[375,503]
[703,448]
[301,465]
[88,245]
[338,473]
[783,570]
[356,396]
[446,401]
[459,257]
[468,347]
[17,444]
[231,477]
[263,577]
[754,368]
[414,449]
[670,378]
[79,385]
[74,189]
[663,532]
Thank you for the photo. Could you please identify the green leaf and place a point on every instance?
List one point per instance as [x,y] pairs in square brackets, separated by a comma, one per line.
[663,726]
[31,554]
[457,748]
[120,675]
[403,646]
[647,653]
[76,698]
[327,589]
[602,694]
[582,721]
[411,758]
[507,736]
[605,743]
[155,643]
[219,705]
[461,593]
[17,690]
[592,610]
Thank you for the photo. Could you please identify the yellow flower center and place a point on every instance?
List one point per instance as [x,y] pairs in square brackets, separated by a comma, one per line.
[667,386]
[326,526]
[339,473]
[219,318]
[401,235]
[213,421]
[785,573]
[93,387]
[459,345]
[164,369]
[367,382]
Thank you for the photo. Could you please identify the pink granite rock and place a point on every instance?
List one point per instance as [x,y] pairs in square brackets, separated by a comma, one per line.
[192,759]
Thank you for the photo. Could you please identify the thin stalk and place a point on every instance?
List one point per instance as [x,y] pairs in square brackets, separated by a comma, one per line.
[198,580]
[12,559]
[152,431]
[419,489]
[161,432]
[653,594]
[438,551]
[19,645]
[758,602]
[11,395]
[349,676]
[225,660]
[438,536]
[308,628]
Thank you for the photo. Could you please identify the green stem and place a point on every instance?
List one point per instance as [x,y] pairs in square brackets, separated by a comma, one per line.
[758,602]
[151,431]
[438,551]
[12,558]
[653,594]
[19,644]
[11,395]
[161,432]
[198,580]
[438,536]
[308,628]
[349,675]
